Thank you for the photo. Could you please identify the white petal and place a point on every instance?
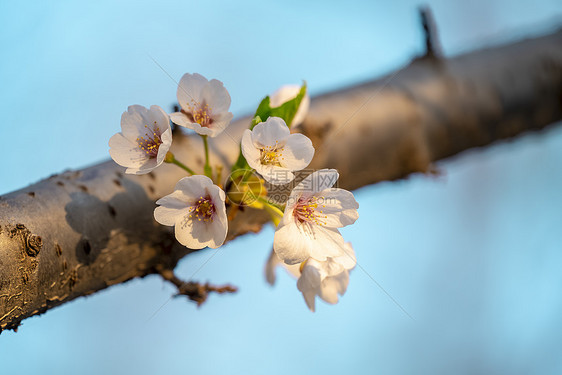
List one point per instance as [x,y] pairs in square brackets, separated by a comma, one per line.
[269,132]
[196,234]
[290,244]
[194,187]
[156,115]
[302,111]
[205,131]
[283,94]
[181,119]
[216,96]
[164,147]
[334,285]
[309,284]
[310,299]
[316,182]
[192,233]
[294,243]
[328,292]
[177,199]
[250,152]
[218,228]
[190,89]
[148,166]
[339,206]
[331,267]
[172,207]
[326,242]
[273,174]
[220,122]
[297,152]
[347,259]
[126,153]
[137,119]
[272,262]
[132,122]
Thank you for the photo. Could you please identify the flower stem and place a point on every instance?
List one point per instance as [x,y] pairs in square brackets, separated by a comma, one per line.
[273,205]
[170,158]
[274,211]
[207,168]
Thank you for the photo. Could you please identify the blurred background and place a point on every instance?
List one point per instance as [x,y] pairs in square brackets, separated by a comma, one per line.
[474,256]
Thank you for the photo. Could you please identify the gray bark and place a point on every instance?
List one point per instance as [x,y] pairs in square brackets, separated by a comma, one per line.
[81,231]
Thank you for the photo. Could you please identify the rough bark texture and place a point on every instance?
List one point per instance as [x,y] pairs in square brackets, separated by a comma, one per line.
[81,231]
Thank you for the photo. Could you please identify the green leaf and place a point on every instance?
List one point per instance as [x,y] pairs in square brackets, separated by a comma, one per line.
[262,112]
[286,111]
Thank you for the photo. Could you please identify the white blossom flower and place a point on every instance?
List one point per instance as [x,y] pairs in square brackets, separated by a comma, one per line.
[312,215]
[326,279]
[286,93]
[144,140]
[197,210]
[204,105]
[274,152]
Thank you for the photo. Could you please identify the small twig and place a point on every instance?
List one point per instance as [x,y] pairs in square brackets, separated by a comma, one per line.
[193,290]
[432,45]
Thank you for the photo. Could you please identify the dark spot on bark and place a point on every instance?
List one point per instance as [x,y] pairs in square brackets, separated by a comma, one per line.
[86,246]
[152,175]
[112,211]
[117,182]
[83,188]
[119,174]
[31,194]
[60,183]
[58,249]
[64,265]
[151,189]
[34,243]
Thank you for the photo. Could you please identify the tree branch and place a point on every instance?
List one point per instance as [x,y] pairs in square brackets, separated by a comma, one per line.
[432,46]
[81,231]
[194,291]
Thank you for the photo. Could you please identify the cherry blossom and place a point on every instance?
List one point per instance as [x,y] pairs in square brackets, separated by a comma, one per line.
[274,152]
[326,279]
[144,140]
[204,105]
[312,215]
[197,210]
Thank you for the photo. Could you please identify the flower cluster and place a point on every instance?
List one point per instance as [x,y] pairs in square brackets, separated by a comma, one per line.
[307,240]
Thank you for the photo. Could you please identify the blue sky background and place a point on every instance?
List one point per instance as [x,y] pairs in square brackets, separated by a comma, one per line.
[474,256]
